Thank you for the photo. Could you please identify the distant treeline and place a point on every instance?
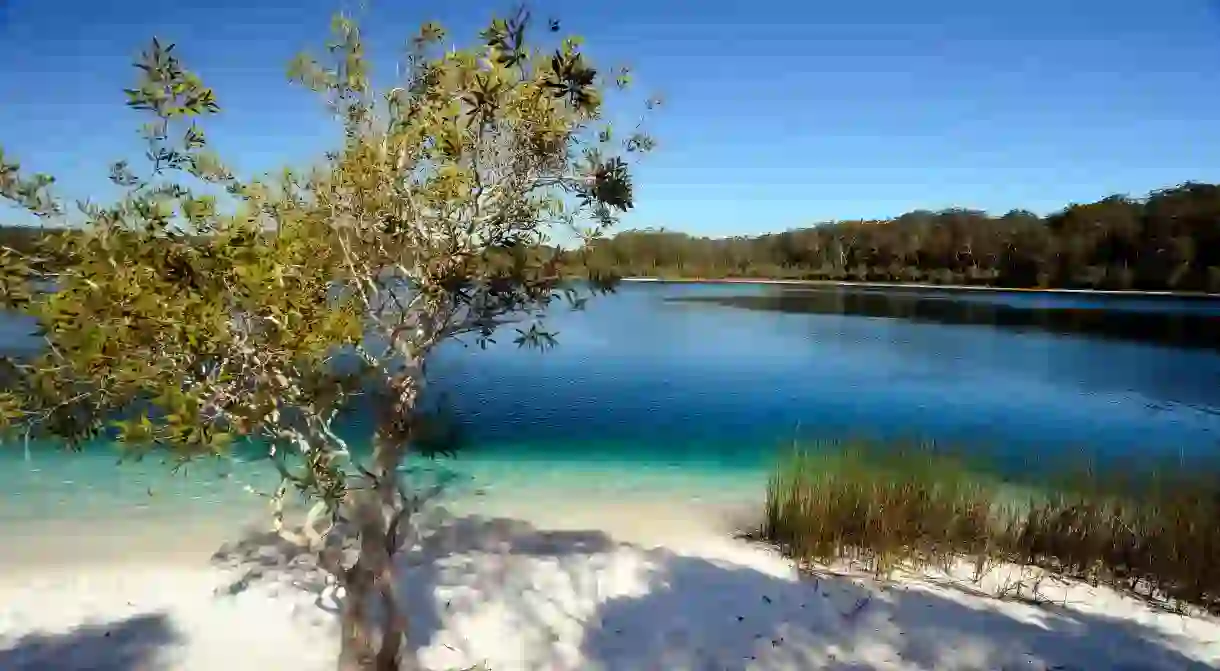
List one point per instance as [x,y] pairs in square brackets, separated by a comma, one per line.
[20,238]
[1167,241]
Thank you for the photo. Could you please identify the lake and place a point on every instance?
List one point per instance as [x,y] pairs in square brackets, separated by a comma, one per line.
[689,390]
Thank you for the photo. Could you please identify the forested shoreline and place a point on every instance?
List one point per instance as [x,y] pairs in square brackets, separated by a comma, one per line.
[1168,241]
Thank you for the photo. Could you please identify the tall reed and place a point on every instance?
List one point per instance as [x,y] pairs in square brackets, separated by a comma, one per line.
[1157,534]
[877,507]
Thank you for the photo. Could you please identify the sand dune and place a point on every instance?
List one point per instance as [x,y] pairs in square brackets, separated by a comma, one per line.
[508,594]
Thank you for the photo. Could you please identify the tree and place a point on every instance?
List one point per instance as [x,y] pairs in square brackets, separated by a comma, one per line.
[1168,240]
[177,323]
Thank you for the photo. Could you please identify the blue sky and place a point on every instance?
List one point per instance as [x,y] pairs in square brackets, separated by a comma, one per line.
[778,114]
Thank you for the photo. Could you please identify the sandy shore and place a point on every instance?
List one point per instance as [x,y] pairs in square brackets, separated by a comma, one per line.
[575,587]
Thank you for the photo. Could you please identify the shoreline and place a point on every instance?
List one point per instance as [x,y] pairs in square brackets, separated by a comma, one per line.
[118,534]
[519,594]
[1194,295]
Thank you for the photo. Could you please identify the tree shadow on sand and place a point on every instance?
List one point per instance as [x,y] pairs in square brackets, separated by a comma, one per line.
[262,557]
[699,614]
[463,563]
[126,645]
[581,600]
[451,552]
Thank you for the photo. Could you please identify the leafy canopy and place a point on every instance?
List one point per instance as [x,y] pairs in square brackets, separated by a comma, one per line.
[200,308]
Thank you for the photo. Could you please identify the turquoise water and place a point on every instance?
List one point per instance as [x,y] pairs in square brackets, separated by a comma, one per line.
[690,389]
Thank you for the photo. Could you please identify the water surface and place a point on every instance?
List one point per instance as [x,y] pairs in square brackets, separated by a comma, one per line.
[687,391]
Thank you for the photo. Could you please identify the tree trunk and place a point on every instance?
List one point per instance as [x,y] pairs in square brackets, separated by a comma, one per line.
[372,623]
[373,620]
[356,639]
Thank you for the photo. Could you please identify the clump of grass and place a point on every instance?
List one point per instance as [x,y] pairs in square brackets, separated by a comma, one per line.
[884,506]
[878,508]
[1159,539]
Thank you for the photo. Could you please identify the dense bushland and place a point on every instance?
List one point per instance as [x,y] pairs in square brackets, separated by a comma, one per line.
[1169,240]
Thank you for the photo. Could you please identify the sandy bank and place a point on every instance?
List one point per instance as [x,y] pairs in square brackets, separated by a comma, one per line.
[519,595]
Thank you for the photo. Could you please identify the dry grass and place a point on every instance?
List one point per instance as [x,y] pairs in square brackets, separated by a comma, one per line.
[1157,536]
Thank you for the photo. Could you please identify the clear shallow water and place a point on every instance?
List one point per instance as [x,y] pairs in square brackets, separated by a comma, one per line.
[689,390]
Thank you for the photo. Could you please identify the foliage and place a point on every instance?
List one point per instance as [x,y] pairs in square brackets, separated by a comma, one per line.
[184,322]
[1169,241]
[887,506]
[879,507]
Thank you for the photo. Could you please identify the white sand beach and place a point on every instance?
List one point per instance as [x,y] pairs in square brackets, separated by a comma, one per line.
[590,587]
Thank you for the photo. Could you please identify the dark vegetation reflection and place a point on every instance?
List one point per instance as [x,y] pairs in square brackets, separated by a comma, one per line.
[1187,323]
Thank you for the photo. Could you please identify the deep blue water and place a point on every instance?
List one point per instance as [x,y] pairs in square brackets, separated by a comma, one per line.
[673,385]
[650,376]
